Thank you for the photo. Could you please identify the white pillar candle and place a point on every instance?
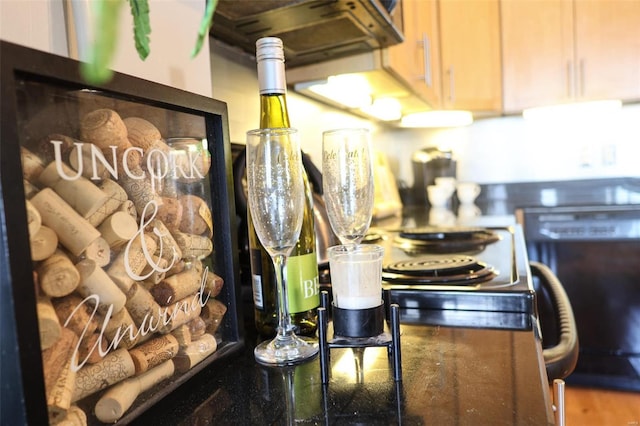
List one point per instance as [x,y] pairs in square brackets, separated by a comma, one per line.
[356,276]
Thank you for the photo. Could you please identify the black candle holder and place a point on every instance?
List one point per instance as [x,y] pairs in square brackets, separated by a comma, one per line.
[358,328]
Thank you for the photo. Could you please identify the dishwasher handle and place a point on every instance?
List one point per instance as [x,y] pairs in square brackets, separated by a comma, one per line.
[560,360]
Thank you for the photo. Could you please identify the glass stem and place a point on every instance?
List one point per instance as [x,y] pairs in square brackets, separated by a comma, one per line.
[285,330]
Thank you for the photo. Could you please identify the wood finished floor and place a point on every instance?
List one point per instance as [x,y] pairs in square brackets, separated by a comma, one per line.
[599,407]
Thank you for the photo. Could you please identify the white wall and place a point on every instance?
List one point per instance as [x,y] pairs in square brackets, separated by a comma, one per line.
[42,24]
[38,24]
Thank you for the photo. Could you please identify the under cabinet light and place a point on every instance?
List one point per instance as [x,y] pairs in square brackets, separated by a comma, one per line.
[350,90]
[385,109]
[579,110]
[430,119]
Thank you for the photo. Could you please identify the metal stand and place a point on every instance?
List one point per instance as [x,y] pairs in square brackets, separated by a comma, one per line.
[390,340]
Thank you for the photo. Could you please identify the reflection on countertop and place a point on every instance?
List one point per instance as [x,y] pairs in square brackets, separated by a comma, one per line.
[451,375]
[419,216]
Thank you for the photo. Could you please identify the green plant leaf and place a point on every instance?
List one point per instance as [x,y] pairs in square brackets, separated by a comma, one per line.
[141,26]
[105,40]
[205,25]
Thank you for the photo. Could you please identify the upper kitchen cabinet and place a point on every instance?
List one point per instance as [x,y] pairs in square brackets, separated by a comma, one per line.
[417,59]
[470,55]
[451,53]
[557,51]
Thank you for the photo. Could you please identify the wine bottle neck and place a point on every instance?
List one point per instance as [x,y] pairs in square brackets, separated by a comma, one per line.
[273,111]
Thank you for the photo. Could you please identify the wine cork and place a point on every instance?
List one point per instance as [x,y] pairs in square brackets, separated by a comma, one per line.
[182,335]
[129,208]
[57,275]
[132,260]
[212,313]
[46,147]
[155,273]
[181,313]
[116,196]
[196,216]
[177,267]
[80,193]
[75,417]
[32,166]
[144,134]
[84,158]
[121,330]
[118,399]
[191,160]
[73,231]
[176,287]
[95,282]
[167,247]
[43,244]
[153,352]
[170,213]
[197,327]
[91,347]
[34,221]
[142,306]
[48,324]
[59,377]
[104,128]
[29,189]
[98,251]
[213,285]
[74,315]
[118,229]
[193,246]
[194,353]
[114,367]
[140,192]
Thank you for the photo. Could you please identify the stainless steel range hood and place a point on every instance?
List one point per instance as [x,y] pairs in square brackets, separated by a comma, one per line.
[311,30]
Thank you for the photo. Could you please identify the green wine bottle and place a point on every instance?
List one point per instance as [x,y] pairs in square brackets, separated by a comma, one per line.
[302,265]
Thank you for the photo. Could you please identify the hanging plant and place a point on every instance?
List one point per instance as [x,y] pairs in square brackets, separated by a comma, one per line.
[97,69]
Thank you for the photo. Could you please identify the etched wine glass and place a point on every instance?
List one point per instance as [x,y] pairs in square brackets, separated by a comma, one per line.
[276,199]
[347,182]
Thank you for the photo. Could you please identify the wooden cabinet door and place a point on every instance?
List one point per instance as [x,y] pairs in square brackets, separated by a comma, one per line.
[417,60]
[608,49]
[557,51]
[470,54]
[537,53]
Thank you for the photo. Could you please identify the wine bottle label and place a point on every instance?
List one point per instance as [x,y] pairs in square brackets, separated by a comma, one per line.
[256,279]
[303,283]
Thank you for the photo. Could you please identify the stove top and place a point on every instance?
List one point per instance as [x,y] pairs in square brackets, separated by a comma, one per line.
[459,270]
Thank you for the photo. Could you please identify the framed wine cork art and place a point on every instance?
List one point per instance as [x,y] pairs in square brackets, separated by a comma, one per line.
[118,249]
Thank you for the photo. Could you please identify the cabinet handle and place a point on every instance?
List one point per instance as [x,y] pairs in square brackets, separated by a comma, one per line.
[582,77]
[570,80]
[452,84]
[426,51]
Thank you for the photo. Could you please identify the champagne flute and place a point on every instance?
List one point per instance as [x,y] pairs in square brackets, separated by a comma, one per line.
[347,182]
[276,199]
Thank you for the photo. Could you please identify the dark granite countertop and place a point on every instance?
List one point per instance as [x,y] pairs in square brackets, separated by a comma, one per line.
[451,375]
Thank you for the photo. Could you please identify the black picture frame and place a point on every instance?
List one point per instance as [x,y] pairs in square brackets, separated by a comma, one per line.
[23,392]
